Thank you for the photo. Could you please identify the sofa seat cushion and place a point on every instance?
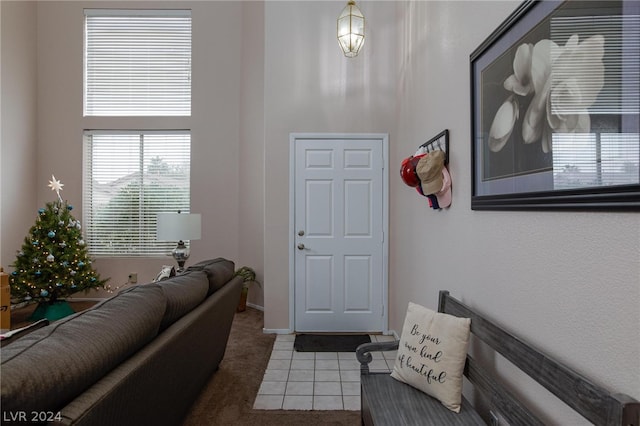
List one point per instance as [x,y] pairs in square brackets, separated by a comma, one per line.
[219,271]
[183,293]
[46,369]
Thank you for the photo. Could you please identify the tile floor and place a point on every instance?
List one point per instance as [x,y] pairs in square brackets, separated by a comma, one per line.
[315,380]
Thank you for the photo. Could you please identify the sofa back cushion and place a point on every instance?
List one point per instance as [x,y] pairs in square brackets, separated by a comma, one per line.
[46,369]
[183,293]
[219,271]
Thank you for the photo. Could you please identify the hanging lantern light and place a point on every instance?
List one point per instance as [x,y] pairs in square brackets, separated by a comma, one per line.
[351,29]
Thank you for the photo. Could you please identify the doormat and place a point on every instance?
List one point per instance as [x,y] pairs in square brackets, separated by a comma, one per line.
[329,342]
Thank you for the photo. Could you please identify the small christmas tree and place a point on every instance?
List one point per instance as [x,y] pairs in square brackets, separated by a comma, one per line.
[54,261]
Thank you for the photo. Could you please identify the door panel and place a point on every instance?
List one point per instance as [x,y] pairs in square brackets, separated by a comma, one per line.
[319,208]
[319,273]
[357,208]
[338,215]
[358,284]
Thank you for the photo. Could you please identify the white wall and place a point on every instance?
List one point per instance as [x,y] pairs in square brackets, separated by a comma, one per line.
[18,161]
[214,124]
[251,165]
[567,282]
[311,87]
[43,123]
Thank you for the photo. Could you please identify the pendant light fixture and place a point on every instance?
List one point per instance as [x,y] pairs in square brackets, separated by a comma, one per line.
[351,29]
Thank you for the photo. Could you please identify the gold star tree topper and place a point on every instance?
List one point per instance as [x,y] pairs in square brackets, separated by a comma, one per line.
[55,185]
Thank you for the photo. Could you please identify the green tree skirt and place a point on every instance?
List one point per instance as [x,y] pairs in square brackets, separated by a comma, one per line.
[52,312]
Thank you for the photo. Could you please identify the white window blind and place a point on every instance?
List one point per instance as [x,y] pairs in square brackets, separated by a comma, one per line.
[137,63]
[130,177]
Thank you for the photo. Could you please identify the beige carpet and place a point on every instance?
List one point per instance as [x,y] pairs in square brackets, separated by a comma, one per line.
[227,399]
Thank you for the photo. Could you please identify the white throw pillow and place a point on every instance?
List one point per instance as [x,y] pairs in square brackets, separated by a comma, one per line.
[432,352]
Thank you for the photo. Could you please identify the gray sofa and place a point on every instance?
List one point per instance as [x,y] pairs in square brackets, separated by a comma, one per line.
[140,357]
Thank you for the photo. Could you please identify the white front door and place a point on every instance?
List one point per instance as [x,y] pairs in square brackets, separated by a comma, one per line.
[338,242]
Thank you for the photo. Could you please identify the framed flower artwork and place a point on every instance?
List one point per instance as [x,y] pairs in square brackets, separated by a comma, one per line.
[555,108]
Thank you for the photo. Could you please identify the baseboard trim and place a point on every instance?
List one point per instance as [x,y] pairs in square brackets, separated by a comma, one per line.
[258,307]
[276,331]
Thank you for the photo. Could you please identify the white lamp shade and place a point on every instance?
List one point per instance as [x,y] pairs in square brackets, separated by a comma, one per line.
[178,226]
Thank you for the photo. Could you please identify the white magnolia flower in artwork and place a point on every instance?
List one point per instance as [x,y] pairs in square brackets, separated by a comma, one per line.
[565,82]
[55,185]
[520,81]
[544,53]
[577,79]
[503,123]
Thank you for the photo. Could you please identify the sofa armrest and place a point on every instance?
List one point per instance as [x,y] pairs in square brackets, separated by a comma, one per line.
[363,352]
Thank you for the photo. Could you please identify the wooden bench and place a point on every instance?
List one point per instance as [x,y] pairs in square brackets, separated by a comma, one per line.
[386,401]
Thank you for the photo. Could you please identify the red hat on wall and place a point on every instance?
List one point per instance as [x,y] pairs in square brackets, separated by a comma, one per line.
[408,171]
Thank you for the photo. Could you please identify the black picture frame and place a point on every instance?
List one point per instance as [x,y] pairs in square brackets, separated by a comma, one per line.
[570,141]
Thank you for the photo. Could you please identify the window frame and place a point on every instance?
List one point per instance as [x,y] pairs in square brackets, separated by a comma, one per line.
[134,13]
[144,247]
[143,124]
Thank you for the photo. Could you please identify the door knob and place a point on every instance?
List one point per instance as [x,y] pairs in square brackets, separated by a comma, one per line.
[301,233]
[301,246]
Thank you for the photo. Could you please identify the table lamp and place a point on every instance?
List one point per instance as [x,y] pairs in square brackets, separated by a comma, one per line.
[178,227]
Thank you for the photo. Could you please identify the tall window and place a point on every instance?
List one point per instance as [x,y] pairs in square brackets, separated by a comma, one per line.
[137,63]
[129,178]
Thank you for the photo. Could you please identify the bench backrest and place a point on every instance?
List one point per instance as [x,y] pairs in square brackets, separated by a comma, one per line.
[593,402]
